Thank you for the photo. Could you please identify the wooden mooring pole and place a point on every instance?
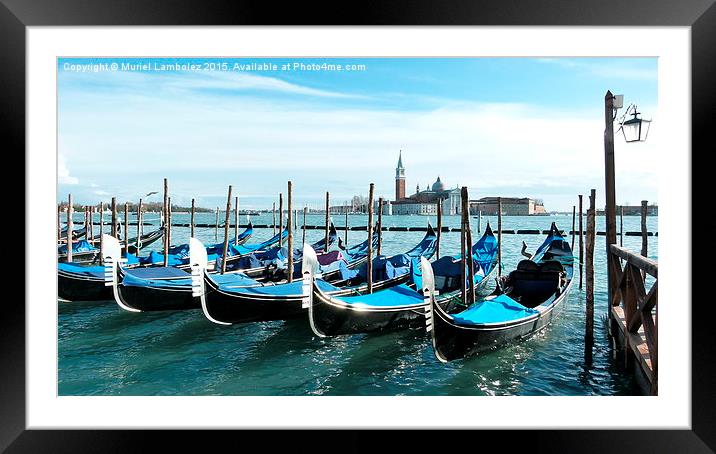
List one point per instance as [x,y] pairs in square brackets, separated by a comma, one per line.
[380,224]
[644,241]
[291,220]
[169,222]
[216,225]
[591,236]
[280,219]
[621,225]
[101,230]
[574,218]
[70,227]
[370,239]
[479,221]
[191,218]
[581,244]
[467,251]
[440,228]
[114,217]
[126,228]
[499,236]
[305,211]
[139,226]
[226,232]
[166,224]
[236,219]
[345,234]
[328,197]
[59,223]
[463,261]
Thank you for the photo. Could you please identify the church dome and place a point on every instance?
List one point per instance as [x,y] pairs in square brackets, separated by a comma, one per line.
[438,186]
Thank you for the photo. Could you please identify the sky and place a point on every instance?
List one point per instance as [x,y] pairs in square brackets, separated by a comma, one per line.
[511,127]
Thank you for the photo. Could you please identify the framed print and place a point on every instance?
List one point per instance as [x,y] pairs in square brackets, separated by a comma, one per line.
[377,223]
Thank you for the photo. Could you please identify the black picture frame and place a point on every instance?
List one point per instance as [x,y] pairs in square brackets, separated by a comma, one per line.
[700,15]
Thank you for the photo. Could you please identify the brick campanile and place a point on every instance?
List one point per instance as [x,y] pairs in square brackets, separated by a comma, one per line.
[400,178]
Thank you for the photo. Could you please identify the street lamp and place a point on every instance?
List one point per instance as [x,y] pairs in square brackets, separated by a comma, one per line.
[635,129]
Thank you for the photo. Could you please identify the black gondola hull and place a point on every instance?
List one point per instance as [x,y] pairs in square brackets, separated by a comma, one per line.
[157,299]
[77,288]
[230,307]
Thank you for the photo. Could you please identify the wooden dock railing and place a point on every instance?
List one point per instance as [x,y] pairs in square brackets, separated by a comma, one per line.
[634,309]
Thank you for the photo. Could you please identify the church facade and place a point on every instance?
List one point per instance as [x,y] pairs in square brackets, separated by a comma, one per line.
[423,202]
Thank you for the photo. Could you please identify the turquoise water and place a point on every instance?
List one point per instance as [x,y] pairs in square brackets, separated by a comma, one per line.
[106,351]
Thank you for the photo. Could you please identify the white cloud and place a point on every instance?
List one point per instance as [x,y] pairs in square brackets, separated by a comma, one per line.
[63,172]
[613,68]
[204,145]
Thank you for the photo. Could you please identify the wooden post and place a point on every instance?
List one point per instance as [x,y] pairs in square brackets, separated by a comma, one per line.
[467,251]
[621,225]
[370,238]
[236,220]
[305,211]
[59,223]
[463,259]
[644,241]
[574,218]
[291,220]
[581,244]
[328,198]
[126,228]
[499,236]
[216,225]
[380,224]
[139,226]
[479,221]
[169,221]
[114,218]
[591,235]
[280,219]
[273,224]
[295,219]
[70,227]
[609,187]
[166,227]
[346,232]
[440,228]
[226,232]
[191,218]
[101,230]
[90,227]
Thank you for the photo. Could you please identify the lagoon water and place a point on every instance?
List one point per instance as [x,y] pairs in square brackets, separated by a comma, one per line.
[106,351]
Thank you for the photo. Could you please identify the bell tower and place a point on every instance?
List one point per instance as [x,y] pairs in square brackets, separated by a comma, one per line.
[400,178]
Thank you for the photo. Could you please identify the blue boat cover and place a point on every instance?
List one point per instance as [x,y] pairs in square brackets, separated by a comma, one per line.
[294,288]
[81,270]
[78,246]
[484,252]
[157,273]
[400,295]
[155,280]
[502,308]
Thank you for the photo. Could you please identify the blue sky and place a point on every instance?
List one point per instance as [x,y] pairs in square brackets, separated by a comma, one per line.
[528,127]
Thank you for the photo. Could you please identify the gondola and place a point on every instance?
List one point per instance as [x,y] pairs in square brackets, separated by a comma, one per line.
[448,275]
[524,303]
[272,263]
[400,306]
[169,288]
[227,304]
[179,255]
[76,233]
[86,282]
[84,252]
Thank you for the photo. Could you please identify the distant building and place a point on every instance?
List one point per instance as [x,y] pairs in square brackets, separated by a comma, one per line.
[511,206]
[423,202]
[634,210]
